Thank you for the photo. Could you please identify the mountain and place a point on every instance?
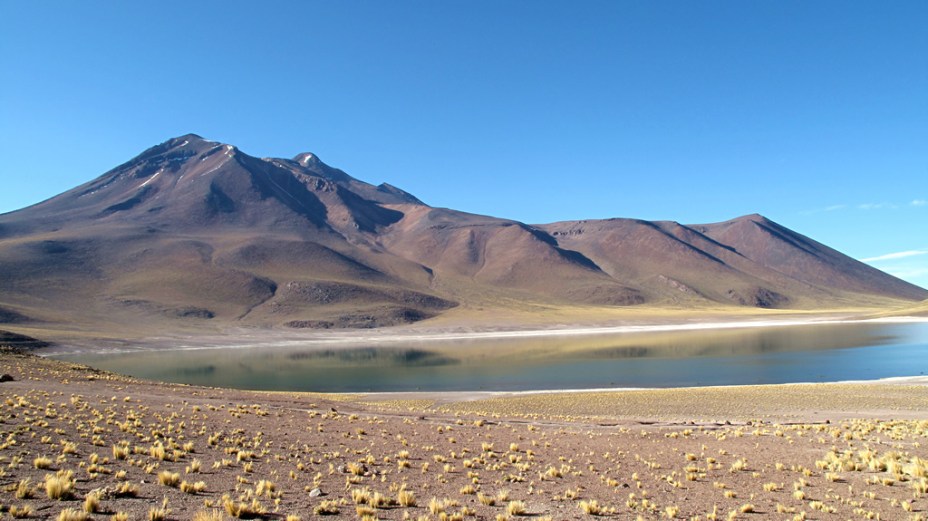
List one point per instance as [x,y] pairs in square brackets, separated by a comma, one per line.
[193,231]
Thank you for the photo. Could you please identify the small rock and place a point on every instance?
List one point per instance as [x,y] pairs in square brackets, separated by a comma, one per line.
[6,377]
[315,492]
[104,493]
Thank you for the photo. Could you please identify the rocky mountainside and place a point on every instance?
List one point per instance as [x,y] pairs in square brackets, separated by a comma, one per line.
[192,230]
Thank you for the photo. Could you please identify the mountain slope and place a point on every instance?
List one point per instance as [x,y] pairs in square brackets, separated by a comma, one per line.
[794,255]
[194,232]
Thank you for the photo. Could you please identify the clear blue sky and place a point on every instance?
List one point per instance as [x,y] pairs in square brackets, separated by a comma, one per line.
[813,113]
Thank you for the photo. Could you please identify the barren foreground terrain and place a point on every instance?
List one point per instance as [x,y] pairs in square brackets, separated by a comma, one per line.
[82,444]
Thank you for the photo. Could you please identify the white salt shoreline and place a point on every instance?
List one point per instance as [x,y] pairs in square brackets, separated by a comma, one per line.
[623,329]
[348,340]
[357,338]
[479,395]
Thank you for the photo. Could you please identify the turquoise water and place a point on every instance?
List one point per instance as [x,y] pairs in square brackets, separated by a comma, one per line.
[811,353]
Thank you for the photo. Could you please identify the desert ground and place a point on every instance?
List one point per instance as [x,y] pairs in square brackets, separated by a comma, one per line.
[78,443]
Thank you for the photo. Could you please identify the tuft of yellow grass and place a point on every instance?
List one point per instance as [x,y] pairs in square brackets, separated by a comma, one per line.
[20,512]
[92,503]
[192,488]
[326,508]
[406,498]
[169,479]
[70,514]
[120,452]
[23,489]
[208,515]
[591,507]
[60,486]
[516,508]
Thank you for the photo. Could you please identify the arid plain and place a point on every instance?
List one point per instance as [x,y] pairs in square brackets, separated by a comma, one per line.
[85,444]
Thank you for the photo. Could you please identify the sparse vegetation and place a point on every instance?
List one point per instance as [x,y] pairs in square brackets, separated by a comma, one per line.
[60,486]
[314,460]
[516,508]
[591,507]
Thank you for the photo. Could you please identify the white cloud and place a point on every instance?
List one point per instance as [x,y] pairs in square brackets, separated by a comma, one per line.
[865,206]
[831,208]
[875,206]
[896,255]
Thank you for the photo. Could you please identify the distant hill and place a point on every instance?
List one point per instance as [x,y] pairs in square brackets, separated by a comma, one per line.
[194,231]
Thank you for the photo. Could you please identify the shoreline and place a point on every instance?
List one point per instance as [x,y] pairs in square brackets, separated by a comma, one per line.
[344,341]
[476,395]
[348,339]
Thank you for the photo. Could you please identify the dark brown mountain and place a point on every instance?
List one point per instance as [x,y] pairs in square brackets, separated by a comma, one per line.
[192,232]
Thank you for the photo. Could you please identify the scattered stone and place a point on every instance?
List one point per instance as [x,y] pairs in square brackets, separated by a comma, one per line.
[6,377]
[315,492]
[105,493]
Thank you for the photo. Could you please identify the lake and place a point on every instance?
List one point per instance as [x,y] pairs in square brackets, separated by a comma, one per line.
[755,355]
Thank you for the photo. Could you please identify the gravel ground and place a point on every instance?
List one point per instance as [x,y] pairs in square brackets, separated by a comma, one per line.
[107,446]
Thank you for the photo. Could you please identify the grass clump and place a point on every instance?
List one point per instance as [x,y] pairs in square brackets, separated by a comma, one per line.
[92,503]
[326,508]
[591,507]
[70,514]
[241,509]
[265,487]
[208,515]
[20,512]
[160,513]
[438,506]
[120,452]
[126,489]
[192,488]
[169,479]
[406,498]
[60,486]
[23,489]
[516,508]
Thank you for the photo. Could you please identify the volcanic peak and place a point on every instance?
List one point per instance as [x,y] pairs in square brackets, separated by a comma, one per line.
[193,229]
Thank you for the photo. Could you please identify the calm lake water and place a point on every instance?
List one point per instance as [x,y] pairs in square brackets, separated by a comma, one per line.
[809,353]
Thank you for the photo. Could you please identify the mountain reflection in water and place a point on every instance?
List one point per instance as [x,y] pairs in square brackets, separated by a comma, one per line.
[410,357]
[809,353]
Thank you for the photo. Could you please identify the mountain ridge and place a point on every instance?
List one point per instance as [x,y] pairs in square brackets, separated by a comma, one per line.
[195,231]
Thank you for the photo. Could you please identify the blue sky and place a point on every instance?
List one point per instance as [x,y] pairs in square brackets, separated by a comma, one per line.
[813,113]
